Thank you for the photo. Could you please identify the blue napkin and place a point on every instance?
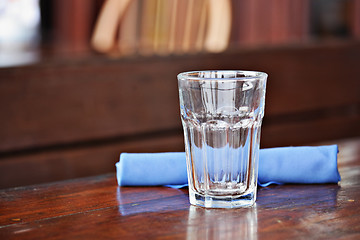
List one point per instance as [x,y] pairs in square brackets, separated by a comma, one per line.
[301,165]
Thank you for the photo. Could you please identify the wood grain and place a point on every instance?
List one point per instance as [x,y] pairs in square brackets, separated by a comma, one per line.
[96,208]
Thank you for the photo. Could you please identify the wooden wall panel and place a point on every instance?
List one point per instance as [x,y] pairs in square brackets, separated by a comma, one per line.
[74,162]
[56,103]
[297,133]
[47,105]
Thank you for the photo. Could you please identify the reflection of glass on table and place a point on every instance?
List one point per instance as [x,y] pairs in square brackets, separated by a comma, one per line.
[219,224]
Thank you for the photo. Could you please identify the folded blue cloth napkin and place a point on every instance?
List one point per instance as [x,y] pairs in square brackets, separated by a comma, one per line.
[302,165]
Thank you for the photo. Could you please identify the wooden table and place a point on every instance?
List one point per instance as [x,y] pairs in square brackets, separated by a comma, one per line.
[96,208]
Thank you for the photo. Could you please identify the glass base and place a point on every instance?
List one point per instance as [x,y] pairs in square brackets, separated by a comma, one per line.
[246,200]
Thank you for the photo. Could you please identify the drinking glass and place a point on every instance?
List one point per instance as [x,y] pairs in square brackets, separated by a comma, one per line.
[221,114]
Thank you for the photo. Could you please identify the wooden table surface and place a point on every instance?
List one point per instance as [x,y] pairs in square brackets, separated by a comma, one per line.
[96,208]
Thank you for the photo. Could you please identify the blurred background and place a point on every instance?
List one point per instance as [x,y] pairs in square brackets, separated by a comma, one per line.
[83,80]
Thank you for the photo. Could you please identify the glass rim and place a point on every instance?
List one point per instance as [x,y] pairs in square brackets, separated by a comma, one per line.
[248,75]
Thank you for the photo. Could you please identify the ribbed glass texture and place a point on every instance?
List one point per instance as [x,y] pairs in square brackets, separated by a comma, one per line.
[221,113]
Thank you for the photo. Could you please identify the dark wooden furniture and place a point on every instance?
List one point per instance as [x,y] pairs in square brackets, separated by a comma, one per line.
[62,119]
[96,208]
